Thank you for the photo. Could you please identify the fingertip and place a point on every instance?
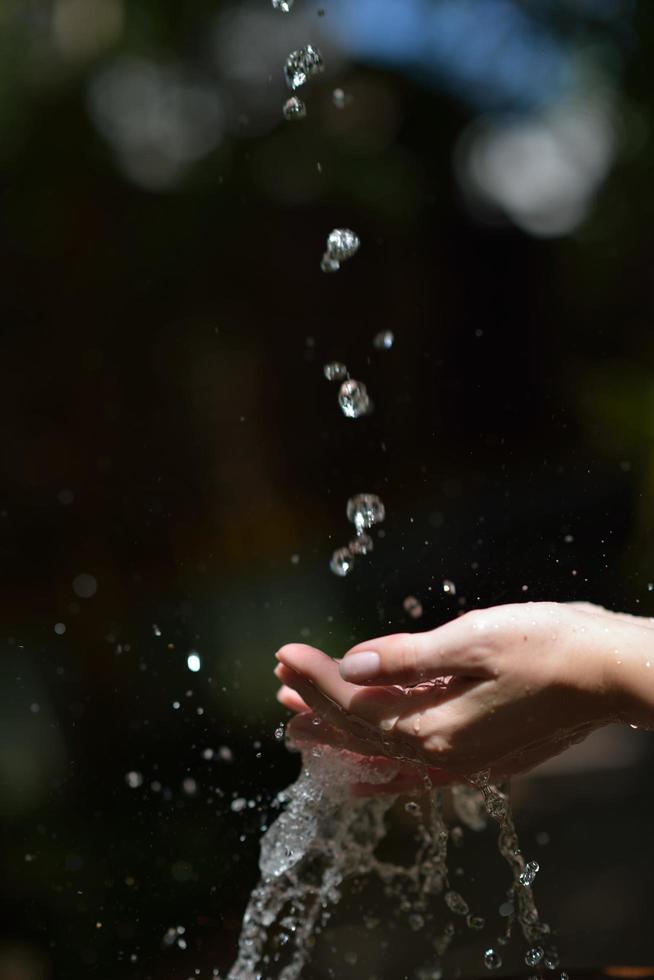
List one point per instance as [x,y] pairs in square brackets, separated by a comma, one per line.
[360,668]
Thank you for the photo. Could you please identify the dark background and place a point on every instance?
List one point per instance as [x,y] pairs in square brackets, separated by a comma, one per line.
[166,428]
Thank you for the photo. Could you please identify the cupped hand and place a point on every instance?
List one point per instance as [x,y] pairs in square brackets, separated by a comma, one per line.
[500,689]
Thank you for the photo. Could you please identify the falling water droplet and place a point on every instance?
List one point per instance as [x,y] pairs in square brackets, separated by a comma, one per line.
[551,959]
[449,587]
[534,956]
[156,630]
[301,65]
[328,264]
[365,510]
[193,662]
[279,733]
[342,562]
[294,109]
[342,244]
[492,960]
[413,607]
[335,371]
[340,98]
[384,340]
[475,922]
[284,5]
[362,545]
[354,399]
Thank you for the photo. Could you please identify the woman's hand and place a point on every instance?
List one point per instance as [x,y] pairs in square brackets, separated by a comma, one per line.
[501,689]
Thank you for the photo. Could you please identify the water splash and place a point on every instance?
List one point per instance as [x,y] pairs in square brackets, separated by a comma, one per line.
[325,836]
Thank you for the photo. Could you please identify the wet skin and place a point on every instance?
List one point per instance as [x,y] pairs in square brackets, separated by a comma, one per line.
[501,689]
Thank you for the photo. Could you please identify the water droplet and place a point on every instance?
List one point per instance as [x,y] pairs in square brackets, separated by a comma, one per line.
[85,585]
[316,720]
[412,807]
[384,340]
[190,786]
[476,922]
[328,264]
[340,98]
[449,587]
[365,510]
[279,733]
[342,562]
[551,959]
[342,244]
[193,662]
[564,976]
[456,903]
[413,607]
[335,371]
[134,779]
[238,805]
[301,65]
[492,960]
[156,630]
[506,909]
[207,754]
[362,545]
[534,956]
[284,5]
[294,109]
[354,399]
[60,629]
[528,876]
[416,921]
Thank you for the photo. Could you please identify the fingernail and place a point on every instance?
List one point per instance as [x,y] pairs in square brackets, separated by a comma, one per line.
[360,666]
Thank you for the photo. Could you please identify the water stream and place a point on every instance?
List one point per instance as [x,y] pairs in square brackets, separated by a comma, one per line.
[325,836]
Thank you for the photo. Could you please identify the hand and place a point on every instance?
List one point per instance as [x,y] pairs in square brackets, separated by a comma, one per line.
[414,779]
[501,689]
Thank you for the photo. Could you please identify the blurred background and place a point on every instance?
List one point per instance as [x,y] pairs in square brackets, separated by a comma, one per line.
[175,467]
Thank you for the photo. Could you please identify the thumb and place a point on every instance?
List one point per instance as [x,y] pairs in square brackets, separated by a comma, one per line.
[410,658]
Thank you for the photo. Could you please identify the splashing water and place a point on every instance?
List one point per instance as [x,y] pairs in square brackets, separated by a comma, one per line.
[326,836]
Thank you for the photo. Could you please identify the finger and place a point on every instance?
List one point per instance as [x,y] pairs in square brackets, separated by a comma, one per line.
[303,731]
[411,658]
[291,700]
[318,681]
